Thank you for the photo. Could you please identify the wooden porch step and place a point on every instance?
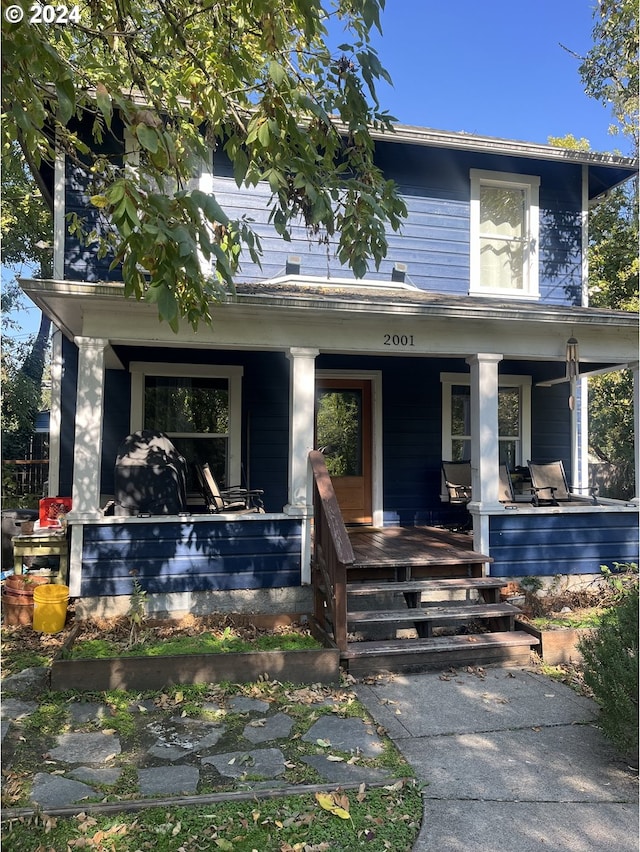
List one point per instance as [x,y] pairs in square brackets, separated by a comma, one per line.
[434,585]
[404,655]
[433,613]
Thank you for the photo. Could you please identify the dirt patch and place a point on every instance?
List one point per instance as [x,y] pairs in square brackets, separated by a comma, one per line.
[578,604]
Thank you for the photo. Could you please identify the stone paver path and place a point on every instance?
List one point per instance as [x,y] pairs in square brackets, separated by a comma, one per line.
[175,755]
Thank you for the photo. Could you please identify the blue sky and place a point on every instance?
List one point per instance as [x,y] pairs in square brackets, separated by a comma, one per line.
[495,68]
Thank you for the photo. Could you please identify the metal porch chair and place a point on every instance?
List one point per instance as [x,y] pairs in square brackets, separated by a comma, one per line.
[457,478]
[550,487]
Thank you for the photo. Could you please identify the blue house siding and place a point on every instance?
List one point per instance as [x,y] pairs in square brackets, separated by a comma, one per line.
[186,556]
[81,262]
[550,424]
[434,238]
[117,417]
[544,543]
[67,415]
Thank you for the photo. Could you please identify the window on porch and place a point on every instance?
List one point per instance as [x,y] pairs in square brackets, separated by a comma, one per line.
[194,413]
[198,408]
[514,418]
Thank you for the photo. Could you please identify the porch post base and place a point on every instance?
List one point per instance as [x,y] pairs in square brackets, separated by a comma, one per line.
[304,511]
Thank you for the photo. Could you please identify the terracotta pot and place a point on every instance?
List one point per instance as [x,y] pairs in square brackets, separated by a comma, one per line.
[24,584]
[17,612]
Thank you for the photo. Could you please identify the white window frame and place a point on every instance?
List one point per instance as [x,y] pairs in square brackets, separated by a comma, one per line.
[140,369]
[530,273]
[449,380]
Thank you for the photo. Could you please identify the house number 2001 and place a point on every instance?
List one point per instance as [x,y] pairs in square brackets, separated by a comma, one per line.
[398,340]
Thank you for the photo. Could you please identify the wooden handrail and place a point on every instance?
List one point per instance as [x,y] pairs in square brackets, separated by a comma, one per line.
[332,554]
[330,508]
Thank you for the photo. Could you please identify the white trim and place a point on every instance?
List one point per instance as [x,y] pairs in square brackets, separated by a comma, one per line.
[583,424]
[584,248]
[233,373]
[506,180]
[377,460]
[302,362]
[205,184]
[59,208]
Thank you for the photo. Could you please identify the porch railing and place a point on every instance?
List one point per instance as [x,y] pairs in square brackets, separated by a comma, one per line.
[332,555]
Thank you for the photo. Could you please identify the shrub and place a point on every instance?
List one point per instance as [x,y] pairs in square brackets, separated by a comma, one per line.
[611,669]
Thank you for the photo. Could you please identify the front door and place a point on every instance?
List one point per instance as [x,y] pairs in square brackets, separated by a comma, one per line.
[343,435]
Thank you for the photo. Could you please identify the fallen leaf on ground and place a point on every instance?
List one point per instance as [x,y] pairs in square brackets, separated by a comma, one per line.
[328,802]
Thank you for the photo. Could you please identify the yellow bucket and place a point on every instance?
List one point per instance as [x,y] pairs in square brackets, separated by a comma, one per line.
[50,608]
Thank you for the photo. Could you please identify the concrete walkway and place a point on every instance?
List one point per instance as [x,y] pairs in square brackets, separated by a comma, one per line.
[511,760]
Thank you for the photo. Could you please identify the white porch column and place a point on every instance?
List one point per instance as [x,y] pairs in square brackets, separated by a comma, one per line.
[55,414]
[301,430]
[484,442]
[88,434]
[484,427]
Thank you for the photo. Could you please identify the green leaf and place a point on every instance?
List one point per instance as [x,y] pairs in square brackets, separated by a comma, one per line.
[103,99]
[209,204]
[277,72]
[166,301]
[99,201]
[240,166]
[66,99]
[264,135]
[147,137]
[115,193]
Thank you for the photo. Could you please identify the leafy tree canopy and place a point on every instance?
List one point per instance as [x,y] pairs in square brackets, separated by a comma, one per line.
[610,69]
[175,78]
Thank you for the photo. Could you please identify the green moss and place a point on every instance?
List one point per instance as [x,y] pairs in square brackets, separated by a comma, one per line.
[577,621]
[205,643]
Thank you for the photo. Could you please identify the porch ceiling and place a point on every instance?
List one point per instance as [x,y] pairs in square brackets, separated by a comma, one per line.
[354,315]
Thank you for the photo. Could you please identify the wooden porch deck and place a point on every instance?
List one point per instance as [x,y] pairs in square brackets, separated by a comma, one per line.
[405,553]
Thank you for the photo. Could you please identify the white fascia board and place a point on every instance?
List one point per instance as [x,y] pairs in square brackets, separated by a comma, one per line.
[490,144]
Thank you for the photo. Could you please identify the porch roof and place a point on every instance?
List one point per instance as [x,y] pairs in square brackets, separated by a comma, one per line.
[66,301]
[267,315]
[375,297]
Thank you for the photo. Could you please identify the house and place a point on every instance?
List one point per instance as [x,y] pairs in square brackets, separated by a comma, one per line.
[455,348]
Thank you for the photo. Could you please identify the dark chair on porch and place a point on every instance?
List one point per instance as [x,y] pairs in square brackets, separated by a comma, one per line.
[457,478]
[550,487]
[236,499]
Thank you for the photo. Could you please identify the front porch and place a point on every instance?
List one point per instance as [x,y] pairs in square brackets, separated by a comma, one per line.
[401,599]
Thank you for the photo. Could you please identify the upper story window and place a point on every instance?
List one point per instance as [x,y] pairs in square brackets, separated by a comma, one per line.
[504,234]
